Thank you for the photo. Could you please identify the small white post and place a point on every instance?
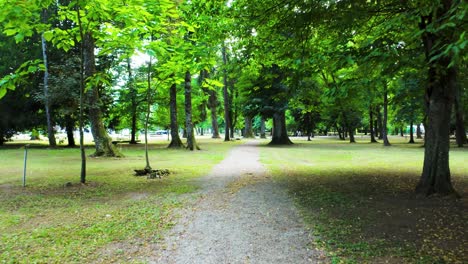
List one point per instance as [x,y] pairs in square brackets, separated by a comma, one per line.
[25,161]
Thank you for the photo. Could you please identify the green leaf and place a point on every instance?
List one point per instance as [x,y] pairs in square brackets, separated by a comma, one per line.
[2,92]
[48,35]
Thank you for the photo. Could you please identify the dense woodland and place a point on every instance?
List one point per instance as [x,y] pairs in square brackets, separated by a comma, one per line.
[314,66]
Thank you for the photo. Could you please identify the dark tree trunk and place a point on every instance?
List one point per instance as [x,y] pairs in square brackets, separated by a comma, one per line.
[351,136]
[418,131]
[401,132]
[460,119]
[50,126]
[340,133]
[262,128]
[134,105]
[70,127]
[248,128]
[82,95]
[213,104]
[191,143]
[440,94]
[280,135]
[380,123]
[385,116]
[411,141]
[371,125]
[227,119]
[102,141]
[376,128]
[176,142]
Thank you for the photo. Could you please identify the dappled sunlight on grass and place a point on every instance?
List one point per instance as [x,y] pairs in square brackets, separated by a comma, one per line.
[359,200]
[78,222]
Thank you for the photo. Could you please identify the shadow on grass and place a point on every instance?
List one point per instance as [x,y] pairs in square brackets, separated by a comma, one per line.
[376,217]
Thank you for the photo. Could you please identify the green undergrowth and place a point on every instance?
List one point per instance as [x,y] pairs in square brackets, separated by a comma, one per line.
[359,201]
[114,217]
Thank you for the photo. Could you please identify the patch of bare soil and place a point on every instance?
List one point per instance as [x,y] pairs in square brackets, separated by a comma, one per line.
[241,216]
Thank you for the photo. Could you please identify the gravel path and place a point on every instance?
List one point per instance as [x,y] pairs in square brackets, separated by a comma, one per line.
[241,217]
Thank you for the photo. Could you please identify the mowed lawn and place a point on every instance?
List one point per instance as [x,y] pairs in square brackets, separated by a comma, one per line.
[359,201]
[114,217]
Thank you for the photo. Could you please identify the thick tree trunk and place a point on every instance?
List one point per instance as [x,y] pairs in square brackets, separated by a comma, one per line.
[385,116]
[460,119]
[280,135]
[248,128]
[411,141]
[176,142]
[262,128]
[227,119]
[50,126]
[70,127]
[191,143]
[436,176]
[371,125]
[102,141]
[440,94]
[401,132]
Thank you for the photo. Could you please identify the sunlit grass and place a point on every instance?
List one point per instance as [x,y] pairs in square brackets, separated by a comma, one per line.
[56,219]
[359,200]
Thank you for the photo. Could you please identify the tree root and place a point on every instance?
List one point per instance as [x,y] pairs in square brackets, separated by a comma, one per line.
[152,174]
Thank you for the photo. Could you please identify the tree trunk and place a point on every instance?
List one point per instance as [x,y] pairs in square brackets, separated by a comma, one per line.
[191,143]
[70,127]
[371,125]
[248,128]
[411,141]
[401,132]
[262,128]
[379,124]
[351,136]
[440,95]
[50,126]
[176,142]
[460,124]
[102,141]
[280,135]
[149,98]
[82,95]
[385,116]
[418,131]
[134,105]
[227,122]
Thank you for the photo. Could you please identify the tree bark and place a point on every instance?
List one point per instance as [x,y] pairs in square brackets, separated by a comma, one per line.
[102,141]
[176,142]
[280,135]
[371,125]
[418,131]
[460,119]
[440,94]
[385,116]
[134,104]
[70,127]
[262,128]
[213,104]
[411,141]
[50,126]
[351,135]
[191,143]
[379,124]
[248,128]
[227,122]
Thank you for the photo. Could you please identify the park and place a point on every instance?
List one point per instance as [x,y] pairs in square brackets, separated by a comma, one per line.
[233,131]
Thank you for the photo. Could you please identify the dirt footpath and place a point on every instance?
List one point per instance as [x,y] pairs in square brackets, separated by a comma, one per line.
[241,217]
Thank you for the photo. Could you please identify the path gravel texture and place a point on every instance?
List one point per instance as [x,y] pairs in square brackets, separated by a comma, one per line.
[241,217]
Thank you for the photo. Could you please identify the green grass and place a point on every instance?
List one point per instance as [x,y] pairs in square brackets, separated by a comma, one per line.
[360,204]
[114,217]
